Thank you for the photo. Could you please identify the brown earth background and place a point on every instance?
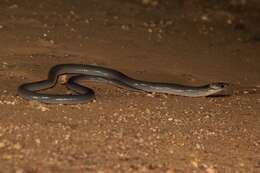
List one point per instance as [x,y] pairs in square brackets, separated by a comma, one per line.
[183,41]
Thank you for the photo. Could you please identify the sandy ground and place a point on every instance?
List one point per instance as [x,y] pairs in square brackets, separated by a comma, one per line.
[123,131]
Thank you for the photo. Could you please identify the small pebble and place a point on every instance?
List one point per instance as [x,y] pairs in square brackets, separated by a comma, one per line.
[205,18]
[245,92]
[170,119]
[17,146]
[195,163]
[147,111]
[210,170]
[38,141]
[13,6]
[2,145]
[170,171]
[20,171]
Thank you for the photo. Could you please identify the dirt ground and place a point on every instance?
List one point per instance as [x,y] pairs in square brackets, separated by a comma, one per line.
[189,42]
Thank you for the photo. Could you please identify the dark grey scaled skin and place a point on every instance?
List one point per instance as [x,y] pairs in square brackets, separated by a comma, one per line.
[97,73]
